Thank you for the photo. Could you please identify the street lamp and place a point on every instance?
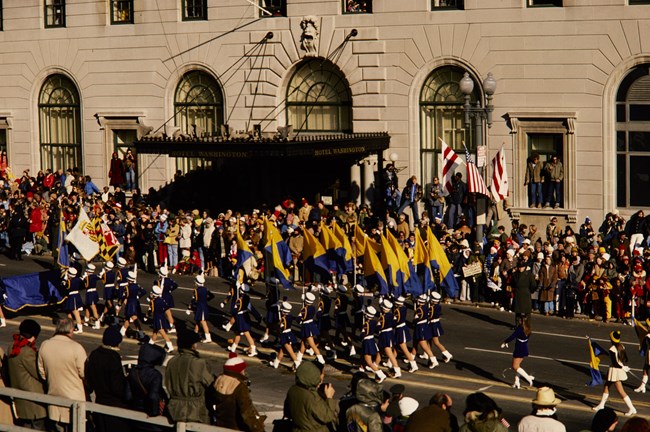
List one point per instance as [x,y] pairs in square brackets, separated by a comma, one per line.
[479,113]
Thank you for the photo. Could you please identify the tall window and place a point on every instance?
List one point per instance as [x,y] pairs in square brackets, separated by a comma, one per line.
[122,12]
[446,4]
[357,6]
[198,108]
[442,116]
[59,123]
[278,8]
[318,98]
[633,139]
[639,2]
[54,13]
[195,10]
[543,3]
[1,16]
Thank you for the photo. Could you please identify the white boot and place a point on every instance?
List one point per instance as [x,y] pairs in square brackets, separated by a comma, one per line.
[172,330]
[386,364]
[296,364]
[398,372]
[151,342]
[353,352]
[275,363]
[232,348]
[447,356]
[320,359]
[208,338]
[265,337]
[601,405]
[525,376]
[433,362]
[423,356]
[517,383]
[169,347]
[414,366]
[299,357]
[96,325]
[227,326]
[380,376]
[641,388]
[252,352]
[628,402]
[309,351]
[80,329]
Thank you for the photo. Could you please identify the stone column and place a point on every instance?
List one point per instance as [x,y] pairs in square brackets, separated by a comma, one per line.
[355,183]
[368,188]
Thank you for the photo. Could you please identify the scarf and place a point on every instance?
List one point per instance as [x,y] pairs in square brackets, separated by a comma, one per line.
[19,343]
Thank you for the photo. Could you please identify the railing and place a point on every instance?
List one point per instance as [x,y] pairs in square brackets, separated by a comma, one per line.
[79,409]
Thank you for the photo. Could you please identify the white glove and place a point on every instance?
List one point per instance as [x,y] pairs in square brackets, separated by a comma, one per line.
[626,369]
[504,345]
[222,305]
[188,312]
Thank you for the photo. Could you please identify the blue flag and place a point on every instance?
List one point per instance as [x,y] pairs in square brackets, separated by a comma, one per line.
[595,351]
[61,245]
[33,289]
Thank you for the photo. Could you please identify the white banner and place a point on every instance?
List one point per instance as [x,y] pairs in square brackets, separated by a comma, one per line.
[82,237]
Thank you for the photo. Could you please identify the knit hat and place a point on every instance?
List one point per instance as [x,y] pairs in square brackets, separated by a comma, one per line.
[187,338]
[234,364]
[408,406]
[112,336]
[29,328]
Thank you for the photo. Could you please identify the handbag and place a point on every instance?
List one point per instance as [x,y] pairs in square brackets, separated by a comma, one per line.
[282,425]
[161,403]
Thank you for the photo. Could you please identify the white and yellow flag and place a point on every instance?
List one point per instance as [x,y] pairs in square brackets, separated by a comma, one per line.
[83,237]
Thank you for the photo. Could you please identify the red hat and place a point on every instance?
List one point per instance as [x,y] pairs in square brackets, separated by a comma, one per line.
[30,194]
[234,364]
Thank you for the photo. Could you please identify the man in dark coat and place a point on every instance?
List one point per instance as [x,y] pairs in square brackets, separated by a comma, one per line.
[146,384]
[523,284]
[105,377]
[432,418]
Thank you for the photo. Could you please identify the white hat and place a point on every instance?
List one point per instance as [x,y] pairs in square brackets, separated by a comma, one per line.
[285,307]
[121,262]
[109,265]
[387,304]
[327,289]
[342,289]
[371,311]
[163,271]
[310,298]
[157,291]
[132,276]
[435,296]
[72,271]
[163,217]
[606,257]
[90,268]
[510,252]
[493,250]
[540,255]
[244,288]
[526,241]
[422,298]
[400,300]
[408,406]
[359,289]
[464,243]
[200,279]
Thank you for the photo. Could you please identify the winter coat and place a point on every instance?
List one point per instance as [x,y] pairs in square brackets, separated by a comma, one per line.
[431,418]
[533,173]
[6,417]
[171,236]
[186,378]
[492,423]
[146,382]
[547,282]
[23,375]
[61,363]
[105,376]
[307,409]
[234,408]
[366,412]
[532,423]
[523,284]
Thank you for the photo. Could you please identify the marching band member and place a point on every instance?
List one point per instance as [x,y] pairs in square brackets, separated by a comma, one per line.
[435,311]
[616,374]
[92,298]
[309,328]
[402,333]
[160,323]
[520,336]
[422,333]
[287,337]
[369,347]
[132,311]
[168,286]
[386,327]
[242,309]
[200,302]
[74,303]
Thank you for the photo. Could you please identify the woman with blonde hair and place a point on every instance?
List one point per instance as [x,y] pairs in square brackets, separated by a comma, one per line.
[616,374]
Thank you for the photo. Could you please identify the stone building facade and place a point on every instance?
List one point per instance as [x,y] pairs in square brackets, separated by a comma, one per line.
[80,79]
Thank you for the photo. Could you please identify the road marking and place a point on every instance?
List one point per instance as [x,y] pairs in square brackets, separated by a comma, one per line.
[581,337]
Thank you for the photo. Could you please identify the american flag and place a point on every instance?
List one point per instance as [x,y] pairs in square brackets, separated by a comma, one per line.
[475,183]
[450,161]
[499,185]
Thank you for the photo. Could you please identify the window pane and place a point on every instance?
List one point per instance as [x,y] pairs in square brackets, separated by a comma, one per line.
[639,181]
[620,112]
[620,141]
[446,4]
[621,181]
[277,8]
[639,112]
[639,142]
[357,6]
[532,3]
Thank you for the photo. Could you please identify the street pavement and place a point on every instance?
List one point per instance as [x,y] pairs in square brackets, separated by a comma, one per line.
[559,355]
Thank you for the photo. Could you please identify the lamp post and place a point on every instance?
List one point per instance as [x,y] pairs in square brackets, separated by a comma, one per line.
[479,113]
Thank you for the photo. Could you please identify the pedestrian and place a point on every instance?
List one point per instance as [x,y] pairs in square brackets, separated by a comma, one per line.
[231,400]
[92,298]
[287,337]
[23,375]
[544,415]
[310,403]
[523,285]
[160,231]
[422,333]
[243,309]
[72,285]
[435,312]
[616,374]
[105,377]
[61,362]
[431,418]
[200,303]
[187,377]
[520,335]
[160,324]
[482,414]
[146,393]
[402,333]
[309,328]
[365,414]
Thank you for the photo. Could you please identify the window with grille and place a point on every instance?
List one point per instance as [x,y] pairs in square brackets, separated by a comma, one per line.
[195,10]
[54,13]
[122,12]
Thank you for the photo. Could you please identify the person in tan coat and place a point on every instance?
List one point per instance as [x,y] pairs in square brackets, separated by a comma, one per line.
[61,363]
[547,282]
[23,375]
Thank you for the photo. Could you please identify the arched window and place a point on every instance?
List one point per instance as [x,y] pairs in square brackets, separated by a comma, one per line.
[60,124]
[633,139]
[198,102]
[318,98]
[442,116]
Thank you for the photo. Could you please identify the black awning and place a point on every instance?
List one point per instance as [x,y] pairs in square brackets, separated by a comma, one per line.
[357,145]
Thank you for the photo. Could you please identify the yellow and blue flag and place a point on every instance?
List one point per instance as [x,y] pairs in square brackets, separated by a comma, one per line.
[595,351]
[63,257]
[423,263]
[273,237]
[390,264]
[343,251]
[314,255]
[373,270]
[361,240]
[641,332]
[331,244]
[439,260]
[407,277]
[245,256]
[278,268]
